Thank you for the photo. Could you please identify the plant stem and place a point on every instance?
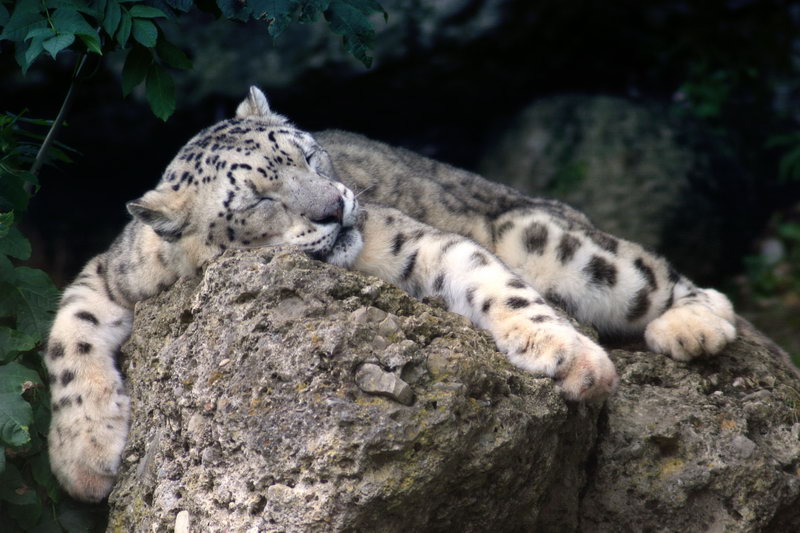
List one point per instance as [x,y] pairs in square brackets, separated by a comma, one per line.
[56,127]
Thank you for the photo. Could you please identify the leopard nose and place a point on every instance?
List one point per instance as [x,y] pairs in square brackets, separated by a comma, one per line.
[332,214]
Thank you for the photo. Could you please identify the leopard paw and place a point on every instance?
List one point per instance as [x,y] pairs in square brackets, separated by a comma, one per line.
[86,444]
[581,369]
[703,326]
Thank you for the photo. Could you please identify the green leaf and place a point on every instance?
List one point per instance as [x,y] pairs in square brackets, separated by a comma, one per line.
[146,12]
[6,220]
[27,515]
[145,32]
[70,21]
[124,31]
[160,91]
[234,9]
[12,342]
[13,488]
[4,16]
[181,5]
[14,377]
[309,9]
[92,42]
[278,12]
[8,273]
[134,71]
[35,48]
[44,33]
[347,18]
[32,300]
[13,195]
[15,245]
[113,15]
[2,460]
[172,55]
[16,416]
[26,16]
[55,44]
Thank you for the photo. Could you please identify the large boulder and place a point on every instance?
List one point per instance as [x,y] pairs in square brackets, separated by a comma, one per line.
[277,393]
[636,169]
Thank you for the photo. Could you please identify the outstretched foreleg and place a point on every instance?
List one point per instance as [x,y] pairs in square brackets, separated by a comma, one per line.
[615,285]
[473,282]
[90,409]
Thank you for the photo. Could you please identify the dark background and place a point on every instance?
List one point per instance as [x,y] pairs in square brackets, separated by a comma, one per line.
[448,78]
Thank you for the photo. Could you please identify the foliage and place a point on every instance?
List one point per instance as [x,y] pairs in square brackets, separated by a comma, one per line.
[30,498]
[48,27]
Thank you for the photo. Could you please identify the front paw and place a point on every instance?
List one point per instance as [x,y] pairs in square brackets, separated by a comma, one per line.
[702,326]
[581,368]
[85,445]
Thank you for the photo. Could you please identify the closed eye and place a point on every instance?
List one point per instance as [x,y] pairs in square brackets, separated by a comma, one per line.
[261,201]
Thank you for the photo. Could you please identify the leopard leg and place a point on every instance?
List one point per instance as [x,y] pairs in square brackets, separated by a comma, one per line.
[473,282]
[615,285]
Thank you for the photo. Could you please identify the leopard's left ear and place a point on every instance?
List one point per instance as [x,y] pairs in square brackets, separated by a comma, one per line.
[255,105]
[163,210]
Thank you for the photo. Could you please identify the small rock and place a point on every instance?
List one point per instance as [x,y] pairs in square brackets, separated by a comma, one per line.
[366,315]
[372,379]
[182,522]
[388,326]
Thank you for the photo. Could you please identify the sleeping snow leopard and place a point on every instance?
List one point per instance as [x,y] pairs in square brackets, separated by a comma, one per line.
[492,254]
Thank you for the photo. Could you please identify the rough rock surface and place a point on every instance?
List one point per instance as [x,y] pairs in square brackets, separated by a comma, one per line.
[250,414]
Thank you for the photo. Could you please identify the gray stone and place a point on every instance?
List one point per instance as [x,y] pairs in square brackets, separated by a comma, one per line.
[282,438]
[372,379]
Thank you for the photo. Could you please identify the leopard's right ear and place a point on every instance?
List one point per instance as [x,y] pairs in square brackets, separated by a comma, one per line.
[255,105]
[163,210]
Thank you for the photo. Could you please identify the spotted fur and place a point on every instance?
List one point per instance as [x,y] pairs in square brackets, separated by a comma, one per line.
[491,253]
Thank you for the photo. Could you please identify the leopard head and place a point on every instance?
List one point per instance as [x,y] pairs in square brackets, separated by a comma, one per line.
[250,181]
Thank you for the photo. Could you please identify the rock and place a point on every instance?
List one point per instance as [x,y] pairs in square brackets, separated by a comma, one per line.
[283,436]
[371,379]
[635,169]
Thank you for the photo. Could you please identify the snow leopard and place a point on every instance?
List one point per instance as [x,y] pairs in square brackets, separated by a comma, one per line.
[502,259]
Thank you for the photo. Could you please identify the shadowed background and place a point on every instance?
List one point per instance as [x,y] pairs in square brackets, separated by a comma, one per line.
[659,119]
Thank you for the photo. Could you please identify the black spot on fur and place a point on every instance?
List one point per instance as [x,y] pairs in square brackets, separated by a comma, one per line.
[479,259]
[56,350]
[66,401]
[647,273]
[561,301]
[516,283]
[471,295]
[449,244]
[515,302]
[502,229]
[535,238]
[51,378]
[639,305]
[674,276]
[397,243]
[87,316]
[66,377]
[540,318]
[409,266]
[487,305]
[389,220]
[438,283]
[604,241]
[601,272]
[84,348]
[567,247]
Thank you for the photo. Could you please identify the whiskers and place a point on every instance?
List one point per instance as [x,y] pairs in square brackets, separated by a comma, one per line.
[363,191]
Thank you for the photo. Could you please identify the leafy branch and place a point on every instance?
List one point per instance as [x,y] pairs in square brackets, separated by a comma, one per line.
[30,499]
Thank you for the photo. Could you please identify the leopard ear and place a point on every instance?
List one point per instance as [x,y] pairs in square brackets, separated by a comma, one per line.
[255,105]
[162,210]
